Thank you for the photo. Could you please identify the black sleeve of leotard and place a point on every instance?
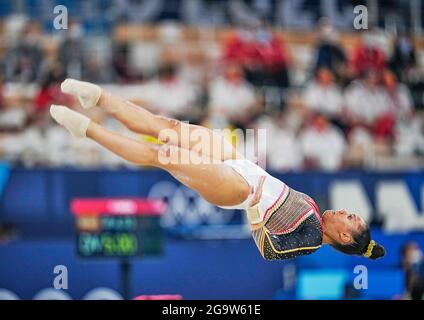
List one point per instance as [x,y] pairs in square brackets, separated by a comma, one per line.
[306,239]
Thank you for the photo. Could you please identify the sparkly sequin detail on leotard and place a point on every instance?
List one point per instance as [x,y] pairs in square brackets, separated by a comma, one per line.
[291,230]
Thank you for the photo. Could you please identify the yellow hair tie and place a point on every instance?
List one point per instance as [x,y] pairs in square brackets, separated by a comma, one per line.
[369,250]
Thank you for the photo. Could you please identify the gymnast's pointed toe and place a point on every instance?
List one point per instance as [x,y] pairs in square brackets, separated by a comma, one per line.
[87,93]
[74,122]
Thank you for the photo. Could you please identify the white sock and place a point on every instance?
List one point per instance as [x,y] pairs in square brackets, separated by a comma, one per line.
[74,122]
[87,93]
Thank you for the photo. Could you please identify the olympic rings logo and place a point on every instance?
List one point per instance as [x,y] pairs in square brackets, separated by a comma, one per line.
[186,207]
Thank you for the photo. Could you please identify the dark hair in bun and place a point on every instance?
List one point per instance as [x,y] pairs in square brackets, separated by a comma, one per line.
[362,245]
[377,251]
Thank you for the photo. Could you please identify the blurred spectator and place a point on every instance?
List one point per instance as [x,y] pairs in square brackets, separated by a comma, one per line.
[330,54]
[409,137]
[412,265]
[400,121]
[415,82]
[283,152]
[231,97]
[323,145]
[96,70]
[322,95]
[195,70]
[56,146]
[24,60]
[121,64]
[27,146]
[368,55]
[361,147]
[399,95]
[11,117]
[170,95]
[50,91]
[403,58]
[261,54]
[70,51]
[368,105]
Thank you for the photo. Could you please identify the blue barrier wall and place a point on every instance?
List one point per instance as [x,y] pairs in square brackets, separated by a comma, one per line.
[35,197]
[37,201]
[195,269]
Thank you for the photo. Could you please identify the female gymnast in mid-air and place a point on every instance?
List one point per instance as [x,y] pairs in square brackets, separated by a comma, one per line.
[285,223]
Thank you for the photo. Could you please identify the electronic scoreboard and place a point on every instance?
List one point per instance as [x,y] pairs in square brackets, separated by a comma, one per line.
[120,228]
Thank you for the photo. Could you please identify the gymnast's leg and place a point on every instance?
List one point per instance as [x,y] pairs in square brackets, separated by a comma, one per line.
[140,120]
[216,182]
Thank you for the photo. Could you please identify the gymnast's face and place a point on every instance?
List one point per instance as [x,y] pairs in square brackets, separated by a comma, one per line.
[341,225]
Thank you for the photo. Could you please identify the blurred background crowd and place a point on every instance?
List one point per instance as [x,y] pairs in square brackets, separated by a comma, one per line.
[329,98]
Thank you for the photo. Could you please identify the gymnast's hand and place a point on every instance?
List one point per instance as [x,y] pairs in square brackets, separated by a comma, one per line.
[257,193]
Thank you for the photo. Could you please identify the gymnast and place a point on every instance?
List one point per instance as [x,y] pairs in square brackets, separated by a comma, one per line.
[285,223]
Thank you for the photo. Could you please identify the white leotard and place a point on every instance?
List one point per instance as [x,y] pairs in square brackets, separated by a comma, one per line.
[274,191]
